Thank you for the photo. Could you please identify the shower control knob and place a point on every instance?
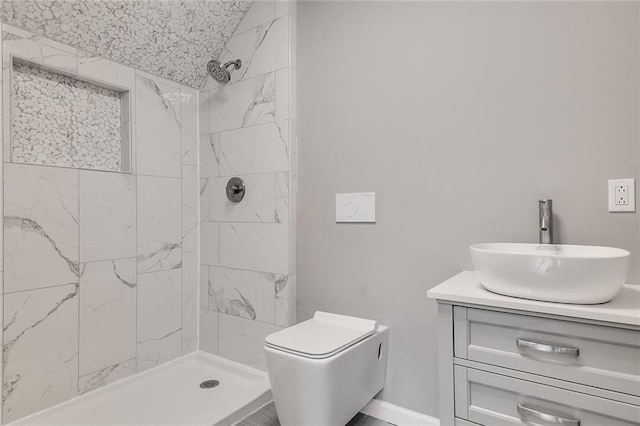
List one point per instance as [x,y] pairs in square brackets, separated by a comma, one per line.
[235,189]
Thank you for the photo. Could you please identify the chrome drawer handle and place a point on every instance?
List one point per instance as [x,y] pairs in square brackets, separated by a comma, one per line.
[525,411]
[552,349]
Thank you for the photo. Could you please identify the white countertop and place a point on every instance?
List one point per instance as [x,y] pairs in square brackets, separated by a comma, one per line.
[465,288]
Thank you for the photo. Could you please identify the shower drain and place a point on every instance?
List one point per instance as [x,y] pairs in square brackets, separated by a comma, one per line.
[208,384]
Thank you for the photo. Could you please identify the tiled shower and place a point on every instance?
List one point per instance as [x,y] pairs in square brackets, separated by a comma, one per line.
[247,129]
[121,251]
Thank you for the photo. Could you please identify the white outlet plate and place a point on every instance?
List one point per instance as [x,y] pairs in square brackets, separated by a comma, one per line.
[628,187]
[356,207]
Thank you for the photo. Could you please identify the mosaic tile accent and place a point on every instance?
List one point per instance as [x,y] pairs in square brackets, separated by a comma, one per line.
[174,39]
[60,121]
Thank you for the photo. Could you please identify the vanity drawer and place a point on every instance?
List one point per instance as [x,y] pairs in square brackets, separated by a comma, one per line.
[494,400]
[594,355]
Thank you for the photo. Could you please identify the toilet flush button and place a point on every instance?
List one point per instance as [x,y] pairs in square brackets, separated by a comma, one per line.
[356,207]
[349,210]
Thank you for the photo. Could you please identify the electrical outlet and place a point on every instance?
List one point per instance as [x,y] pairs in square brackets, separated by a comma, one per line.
[622,195]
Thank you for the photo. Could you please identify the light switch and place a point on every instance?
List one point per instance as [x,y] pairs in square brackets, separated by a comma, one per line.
[356,207]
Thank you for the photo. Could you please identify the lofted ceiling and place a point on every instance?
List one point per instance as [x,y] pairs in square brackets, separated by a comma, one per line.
[171,38]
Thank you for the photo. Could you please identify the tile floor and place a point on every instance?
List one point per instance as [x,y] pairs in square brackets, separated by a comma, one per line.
[267,416]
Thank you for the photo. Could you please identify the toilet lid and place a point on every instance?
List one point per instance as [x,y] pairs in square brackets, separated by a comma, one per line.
[322,336]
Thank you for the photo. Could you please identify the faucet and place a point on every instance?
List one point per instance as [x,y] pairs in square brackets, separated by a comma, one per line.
[545,221]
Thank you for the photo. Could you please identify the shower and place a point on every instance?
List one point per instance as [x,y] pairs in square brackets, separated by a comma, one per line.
[219,72]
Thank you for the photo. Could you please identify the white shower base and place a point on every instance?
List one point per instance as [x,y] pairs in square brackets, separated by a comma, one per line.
[167,395]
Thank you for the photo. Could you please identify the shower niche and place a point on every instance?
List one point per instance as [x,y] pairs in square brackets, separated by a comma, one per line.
[58,119]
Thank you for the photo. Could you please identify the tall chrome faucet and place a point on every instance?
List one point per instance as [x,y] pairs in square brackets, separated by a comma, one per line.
[545,221]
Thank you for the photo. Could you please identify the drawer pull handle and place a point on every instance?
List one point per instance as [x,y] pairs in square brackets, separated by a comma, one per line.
[552,349]
[525,411]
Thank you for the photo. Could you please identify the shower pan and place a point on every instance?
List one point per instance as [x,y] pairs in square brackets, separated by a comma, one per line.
[169,394]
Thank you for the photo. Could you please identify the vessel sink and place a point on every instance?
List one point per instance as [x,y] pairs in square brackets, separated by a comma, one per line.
[551,272]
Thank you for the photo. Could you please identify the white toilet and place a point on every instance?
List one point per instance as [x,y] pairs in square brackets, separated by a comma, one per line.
[324,370]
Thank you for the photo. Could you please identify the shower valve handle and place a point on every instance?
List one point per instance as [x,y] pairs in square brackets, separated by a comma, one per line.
[236,189]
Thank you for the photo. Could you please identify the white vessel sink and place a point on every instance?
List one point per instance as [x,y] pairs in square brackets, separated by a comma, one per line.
[550,272]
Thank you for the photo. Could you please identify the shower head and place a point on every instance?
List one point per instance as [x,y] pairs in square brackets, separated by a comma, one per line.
[219,72]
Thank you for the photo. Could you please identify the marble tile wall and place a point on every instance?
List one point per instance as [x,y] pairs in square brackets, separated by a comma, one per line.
[247,129]
[101,268]
[173,39]
[62,121]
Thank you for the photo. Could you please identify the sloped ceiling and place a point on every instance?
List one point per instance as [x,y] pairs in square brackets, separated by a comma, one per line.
[171,38]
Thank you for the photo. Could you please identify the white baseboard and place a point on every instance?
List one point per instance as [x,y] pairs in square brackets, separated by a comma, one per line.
[397,415]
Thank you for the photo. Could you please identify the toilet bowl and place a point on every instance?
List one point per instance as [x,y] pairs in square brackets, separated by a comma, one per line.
[324,370]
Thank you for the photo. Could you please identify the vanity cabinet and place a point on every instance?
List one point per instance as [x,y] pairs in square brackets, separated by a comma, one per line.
[507,361]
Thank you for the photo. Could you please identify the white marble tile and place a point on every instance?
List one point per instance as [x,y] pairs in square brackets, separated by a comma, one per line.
[40,349]
[158,131]
[243,104]
[107,375]
[285,7]
[285,292]
[211,303]
[159,224]
[209,331]
[263,49]
[107,215]
[293,312]
[293,92]
[174,94]
[245,294]
[4,98]
[282,94]
[203,286]
[257,149]
[210,155]
[292,229]
[293,146]
[40,227]
[204,200]
[36,38]
[209,84]
[159,318]
[260,12]
[29,47]
[107,314]
[189,124]
[129,158]
[204,99]
[293,37]
[254,246]
[62,121]
[6,106]
[282,198]
[258,204]
[190,307]
[97,68]
[190,206]
[209,243]
[172,39]
[242,340]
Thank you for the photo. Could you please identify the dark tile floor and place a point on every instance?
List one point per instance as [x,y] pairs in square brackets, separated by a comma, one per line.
[267,416]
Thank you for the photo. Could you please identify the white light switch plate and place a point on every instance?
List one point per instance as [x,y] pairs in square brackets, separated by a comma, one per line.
[356,207]
[622,195]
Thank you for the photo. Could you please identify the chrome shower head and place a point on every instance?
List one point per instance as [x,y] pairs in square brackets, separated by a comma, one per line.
[219,72]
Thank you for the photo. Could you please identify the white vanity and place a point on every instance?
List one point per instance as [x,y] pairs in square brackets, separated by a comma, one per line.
[510,361]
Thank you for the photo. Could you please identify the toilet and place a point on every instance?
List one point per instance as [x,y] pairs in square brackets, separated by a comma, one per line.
[326,369]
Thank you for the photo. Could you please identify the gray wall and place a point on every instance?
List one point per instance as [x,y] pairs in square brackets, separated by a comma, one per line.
[459,116]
